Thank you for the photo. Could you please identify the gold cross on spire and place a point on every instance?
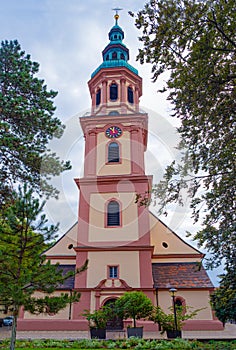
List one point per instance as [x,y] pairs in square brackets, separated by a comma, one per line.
[117,9]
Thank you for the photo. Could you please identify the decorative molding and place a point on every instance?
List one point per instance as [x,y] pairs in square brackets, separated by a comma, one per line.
[210,289]
[121,248]
[113,179]
[102,285]
[183,255]
[61,257]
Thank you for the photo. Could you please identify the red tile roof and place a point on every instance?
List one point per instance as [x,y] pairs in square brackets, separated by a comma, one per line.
[180,275]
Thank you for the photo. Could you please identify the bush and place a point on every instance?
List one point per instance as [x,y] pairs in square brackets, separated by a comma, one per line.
[135,305]
[133,343]
[97,318]
[167,321]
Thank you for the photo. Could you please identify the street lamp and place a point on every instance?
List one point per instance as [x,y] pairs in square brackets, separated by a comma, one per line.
[172,293]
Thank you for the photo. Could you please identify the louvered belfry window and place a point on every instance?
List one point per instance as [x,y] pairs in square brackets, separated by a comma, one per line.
[130,95]
[113,214]
[113,152]
[113,92]
[98,97]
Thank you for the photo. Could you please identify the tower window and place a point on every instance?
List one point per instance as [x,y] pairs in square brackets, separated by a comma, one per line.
[122,56]
[98,97]
[107,57]
[130,95]
[113,272]
[113,92]
[113,152]
[114,55]
[113,214]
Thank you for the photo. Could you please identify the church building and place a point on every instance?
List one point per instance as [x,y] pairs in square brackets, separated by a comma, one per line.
[128,248]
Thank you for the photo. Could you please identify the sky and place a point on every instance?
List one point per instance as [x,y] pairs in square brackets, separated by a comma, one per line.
[66,37]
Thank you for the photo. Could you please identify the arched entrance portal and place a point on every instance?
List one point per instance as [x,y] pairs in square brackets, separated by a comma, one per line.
[115,322]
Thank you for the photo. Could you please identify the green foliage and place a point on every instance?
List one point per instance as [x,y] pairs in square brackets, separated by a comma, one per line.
[26,125]
[177,344]
[167,321]
[194,41]
[50,304]
[223,301]
[135,305]
[24,234]
[98,318]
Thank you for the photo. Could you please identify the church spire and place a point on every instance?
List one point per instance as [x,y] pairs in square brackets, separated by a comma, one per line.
[117,9]
[115,54]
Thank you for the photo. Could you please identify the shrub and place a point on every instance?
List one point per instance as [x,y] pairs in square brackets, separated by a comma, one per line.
[135,305]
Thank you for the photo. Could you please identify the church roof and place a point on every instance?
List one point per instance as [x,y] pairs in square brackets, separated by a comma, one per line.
[180,275]
[69,283]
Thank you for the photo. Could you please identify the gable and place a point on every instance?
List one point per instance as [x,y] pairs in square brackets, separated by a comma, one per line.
[167,244]
[61,248]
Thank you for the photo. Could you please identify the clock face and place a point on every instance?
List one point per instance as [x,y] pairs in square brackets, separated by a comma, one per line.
[113,132]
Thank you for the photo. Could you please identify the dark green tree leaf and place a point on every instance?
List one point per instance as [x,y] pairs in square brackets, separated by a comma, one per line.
[195,41]
[24,236]
[26,125]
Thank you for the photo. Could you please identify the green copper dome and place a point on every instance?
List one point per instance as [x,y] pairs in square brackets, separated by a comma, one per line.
[115,53]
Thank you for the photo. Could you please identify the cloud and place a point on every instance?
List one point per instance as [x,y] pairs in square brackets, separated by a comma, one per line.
[67,38]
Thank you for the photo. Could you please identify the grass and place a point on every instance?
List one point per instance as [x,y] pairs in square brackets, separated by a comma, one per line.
[132,344]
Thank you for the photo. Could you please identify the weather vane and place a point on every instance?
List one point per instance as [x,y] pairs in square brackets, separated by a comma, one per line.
[117,9]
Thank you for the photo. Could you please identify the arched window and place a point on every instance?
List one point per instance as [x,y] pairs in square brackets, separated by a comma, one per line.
[113,92]
[113,213]
[130,95]
[114,55]
[98,97]
[180,302]
[107,57]
[113,152]
[122,56]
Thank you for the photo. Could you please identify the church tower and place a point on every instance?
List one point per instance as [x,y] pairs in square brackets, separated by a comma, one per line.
[113,231]
[128,248]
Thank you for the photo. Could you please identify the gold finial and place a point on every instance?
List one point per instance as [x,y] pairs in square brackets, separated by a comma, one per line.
[117,9]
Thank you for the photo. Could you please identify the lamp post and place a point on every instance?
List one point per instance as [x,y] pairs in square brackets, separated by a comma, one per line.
[172,293]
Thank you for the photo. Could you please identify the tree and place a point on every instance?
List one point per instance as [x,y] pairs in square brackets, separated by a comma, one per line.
[195,42]
[27,124]
[135,305]
[223,300]
[24,236]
